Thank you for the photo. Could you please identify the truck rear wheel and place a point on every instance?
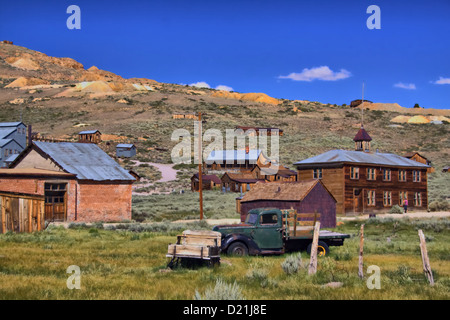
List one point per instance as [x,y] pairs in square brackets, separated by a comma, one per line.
[237,249]
[322,249]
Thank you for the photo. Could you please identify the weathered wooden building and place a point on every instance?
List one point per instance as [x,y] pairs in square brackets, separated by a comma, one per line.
[238,182]
[90,136]
[235,160]
[256,131]
[305,196]
[125,150]
[419,158]
[209,182]
[80,183]
[363,181]
[13,140]
[274,173]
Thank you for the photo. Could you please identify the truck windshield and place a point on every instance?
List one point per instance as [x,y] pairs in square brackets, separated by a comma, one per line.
[251,218]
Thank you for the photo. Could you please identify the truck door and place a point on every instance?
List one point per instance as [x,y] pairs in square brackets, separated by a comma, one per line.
[267,233]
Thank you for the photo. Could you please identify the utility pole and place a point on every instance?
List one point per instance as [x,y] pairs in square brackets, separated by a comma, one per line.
[200,171]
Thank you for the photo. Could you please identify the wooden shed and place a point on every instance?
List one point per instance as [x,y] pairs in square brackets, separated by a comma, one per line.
[90,136]
[125,150]
[303,196]
[238,182]
[209,182]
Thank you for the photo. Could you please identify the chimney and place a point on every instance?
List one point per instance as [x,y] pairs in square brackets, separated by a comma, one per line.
[30,135]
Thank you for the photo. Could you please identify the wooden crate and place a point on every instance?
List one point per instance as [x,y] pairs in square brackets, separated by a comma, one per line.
[202,244]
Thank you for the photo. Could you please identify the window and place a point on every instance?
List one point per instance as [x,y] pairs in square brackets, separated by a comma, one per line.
[401,175]
[371,175]
[354,173]
[417,199]
[387,198]
[386,174]
[317,173]
[269,218]
[403,195]
[371,197]
[416,176]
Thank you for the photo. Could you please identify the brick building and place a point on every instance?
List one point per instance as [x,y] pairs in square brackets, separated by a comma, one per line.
[80,182]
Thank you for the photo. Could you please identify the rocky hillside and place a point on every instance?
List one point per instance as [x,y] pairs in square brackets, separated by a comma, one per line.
[59,98]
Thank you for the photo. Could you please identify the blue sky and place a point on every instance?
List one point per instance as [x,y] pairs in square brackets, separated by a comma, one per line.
[312,50]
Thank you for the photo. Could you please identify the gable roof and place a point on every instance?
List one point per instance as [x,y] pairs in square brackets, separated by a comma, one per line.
[362,135]
[125,145]
[334,157]
[11,124]
[242,177]
[233,155]
[282,191]
[86,160]
[208,177]
[5,132]
[4,142]
[89,132]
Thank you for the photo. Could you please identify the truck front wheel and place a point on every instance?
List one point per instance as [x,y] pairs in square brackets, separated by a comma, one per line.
[322,249]
[237,249]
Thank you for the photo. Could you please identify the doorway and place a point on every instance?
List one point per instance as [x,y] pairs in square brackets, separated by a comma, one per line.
[55,201]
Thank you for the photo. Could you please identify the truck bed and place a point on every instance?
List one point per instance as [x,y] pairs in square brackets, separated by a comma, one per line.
[323,235]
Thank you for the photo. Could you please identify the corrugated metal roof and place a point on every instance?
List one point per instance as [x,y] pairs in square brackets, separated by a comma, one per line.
[86,160]
[4,132]
[88,132]
[12,157]
[340,156]
[233,155]
[4,142]
[10,124]
[125,145]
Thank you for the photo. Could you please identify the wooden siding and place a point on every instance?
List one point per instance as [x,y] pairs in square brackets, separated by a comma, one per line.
[333,179]
[21,212]
[395,186]
[318,199]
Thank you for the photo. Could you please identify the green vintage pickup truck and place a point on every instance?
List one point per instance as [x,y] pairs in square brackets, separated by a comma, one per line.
[272,231]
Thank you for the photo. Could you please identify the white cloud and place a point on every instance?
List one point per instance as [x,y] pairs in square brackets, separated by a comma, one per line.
[224,87]
[407,86]
[442,80]
[323,73]
[200,84]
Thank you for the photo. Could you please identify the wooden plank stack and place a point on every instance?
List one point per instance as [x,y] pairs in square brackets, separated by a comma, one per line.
[202,244]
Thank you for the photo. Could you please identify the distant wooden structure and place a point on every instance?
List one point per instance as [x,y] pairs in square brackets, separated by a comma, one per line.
[90,136]
[446,169]
[125,150]
[184,116]
[252,131]
[209,182]
[419,158]
[7,42]
[274,173]
[21,212]
[357,102]
[238,182]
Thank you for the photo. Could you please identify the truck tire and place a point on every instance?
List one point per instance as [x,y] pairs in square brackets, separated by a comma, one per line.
[322,249]
[237,249]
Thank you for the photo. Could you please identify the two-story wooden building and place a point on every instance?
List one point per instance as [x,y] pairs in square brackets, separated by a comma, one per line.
[363,181]
[234,160]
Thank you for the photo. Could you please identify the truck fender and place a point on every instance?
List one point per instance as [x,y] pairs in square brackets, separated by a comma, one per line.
[253,248]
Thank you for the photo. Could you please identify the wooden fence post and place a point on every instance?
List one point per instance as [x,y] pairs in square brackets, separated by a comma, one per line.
[312,268]
[425,260]
[361,252]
